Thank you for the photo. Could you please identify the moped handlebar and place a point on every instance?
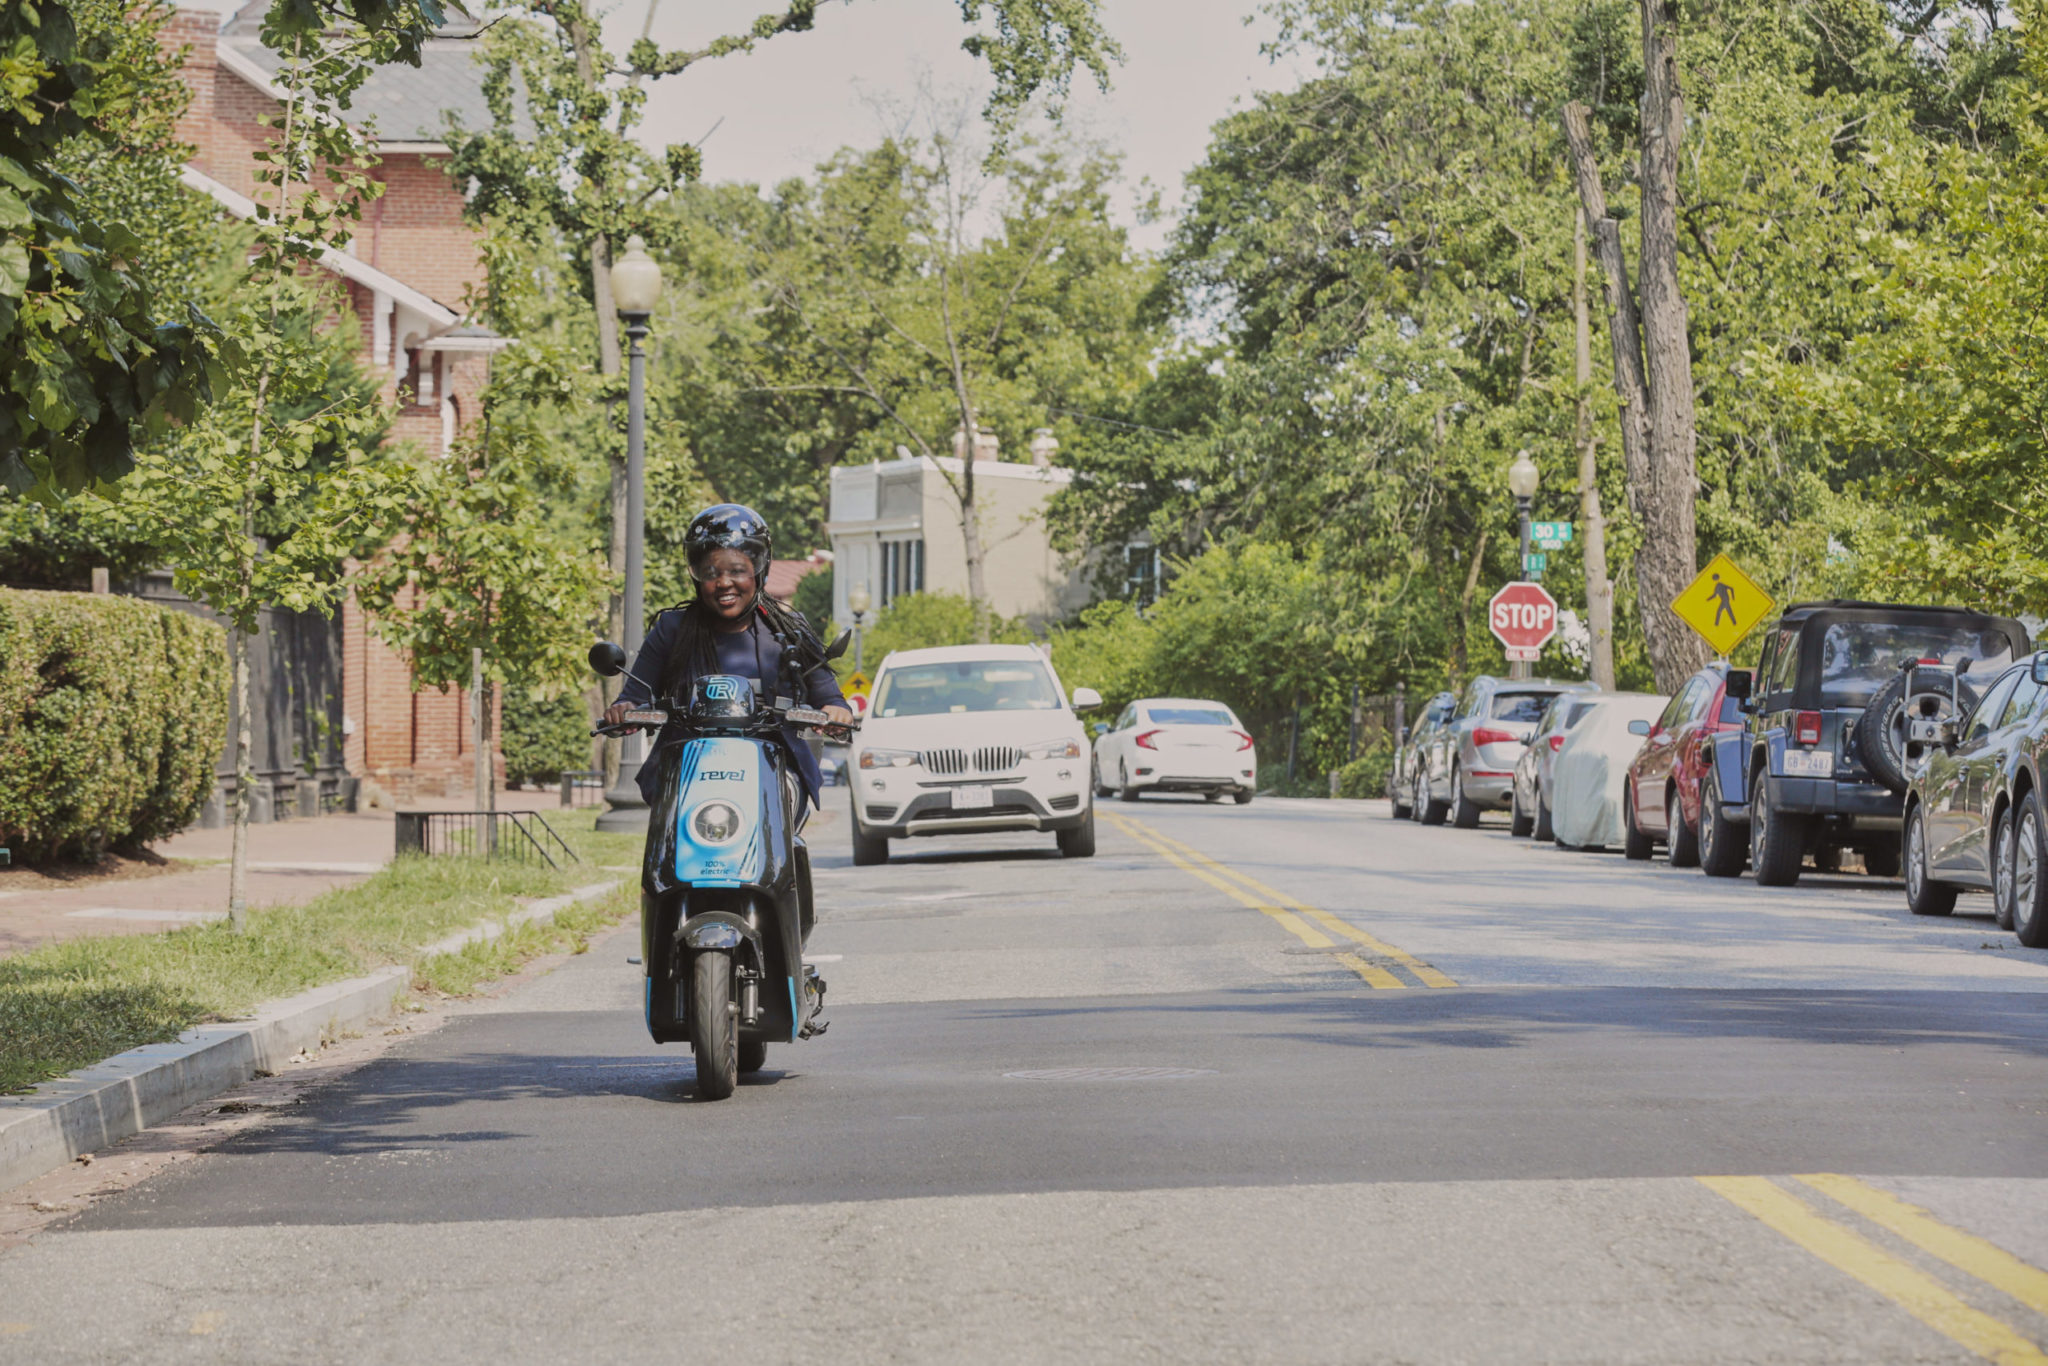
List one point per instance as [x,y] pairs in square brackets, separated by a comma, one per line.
[654,718]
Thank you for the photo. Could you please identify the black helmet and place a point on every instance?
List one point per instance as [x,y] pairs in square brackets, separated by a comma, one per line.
[728,526]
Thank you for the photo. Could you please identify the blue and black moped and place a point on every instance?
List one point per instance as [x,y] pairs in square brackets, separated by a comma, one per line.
[725,882]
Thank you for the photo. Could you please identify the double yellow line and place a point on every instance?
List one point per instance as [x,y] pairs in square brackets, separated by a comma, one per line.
[1305,923]
[1904,1284]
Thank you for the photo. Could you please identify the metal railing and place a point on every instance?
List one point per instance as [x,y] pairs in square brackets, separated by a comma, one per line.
[522,835]
[583,787]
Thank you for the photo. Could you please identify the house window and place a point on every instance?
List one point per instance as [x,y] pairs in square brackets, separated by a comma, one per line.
[902,569]
[1141,574]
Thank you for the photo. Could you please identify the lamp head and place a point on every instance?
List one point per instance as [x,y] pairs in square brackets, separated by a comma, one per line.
[1522,476]
[636,279]
[857,599]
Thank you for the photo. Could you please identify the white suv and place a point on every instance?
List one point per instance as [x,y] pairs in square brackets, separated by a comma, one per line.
[970,738]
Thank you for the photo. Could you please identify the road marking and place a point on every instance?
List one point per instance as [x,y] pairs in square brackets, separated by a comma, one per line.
[1966,1252]
[1912,1289]
[1427,975]
[1295,917]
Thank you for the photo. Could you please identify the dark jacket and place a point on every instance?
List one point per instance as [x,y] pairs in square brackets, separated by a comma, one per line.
[658,663]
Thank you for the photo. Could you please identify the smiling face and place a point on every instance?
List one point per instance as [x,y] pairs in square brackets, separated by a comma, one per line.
[725,584]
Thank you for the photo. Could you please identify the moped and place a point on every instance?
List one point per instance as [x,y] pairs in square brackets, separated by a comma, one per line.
[725,880]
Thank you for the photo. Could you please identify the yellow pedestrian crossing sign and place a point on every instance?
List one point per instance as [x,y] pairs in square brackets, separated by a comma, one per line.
[1723,604]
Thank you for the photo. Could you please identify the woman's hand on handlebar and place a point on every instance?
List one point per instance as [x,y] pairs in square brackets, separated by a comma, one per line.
[615,714]
[839,716]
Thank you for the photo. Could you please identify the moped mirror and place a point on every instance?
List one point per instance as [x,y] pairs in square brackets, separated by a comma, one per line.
[1740,684]
[838,647]
[607,659]
[1085,698]
[1639,728]
[2038,670]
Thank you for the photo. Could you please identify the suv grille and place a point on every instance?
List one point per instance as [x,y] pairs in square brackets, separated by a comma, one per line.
[953,763]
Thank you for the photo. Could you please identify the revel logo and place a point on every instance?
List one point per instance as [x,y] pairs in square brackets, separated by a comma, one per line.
[720,690]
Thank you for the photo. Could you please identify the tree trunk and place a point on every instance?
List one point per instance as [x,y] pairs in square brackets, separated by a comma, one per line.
[1458,654]
[1593,549]
[1665,561]
[480,713]
[1669,538]
[245,780]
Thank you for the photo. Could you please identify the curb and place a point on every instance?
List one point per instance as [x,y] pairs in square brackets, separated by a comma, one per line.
[127,1093]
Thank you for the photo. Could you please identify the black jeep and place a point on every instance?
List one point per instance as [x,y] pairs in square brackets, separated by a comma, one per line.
[1821,765]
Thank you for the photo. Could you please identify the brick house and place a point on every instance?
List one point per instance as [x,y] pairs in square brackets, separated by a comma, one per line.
[403,282]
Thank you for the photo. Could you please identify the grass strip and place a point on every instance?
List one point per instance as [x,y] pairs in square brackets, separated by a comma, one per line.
[69,1005]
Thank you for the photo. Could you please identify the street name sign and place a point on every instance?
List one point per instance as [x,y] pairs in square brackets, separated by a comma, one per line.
[1723,604]
[1523,618]
[1551,536]
[1534,563]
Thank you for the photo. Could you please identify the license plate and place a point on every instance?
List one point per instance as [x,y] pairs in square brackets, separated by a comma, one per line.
[1809,763]
[973,798]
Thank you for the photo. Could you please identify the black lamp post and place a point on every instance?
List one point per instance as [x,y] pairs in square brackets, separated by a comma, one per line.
[636,288]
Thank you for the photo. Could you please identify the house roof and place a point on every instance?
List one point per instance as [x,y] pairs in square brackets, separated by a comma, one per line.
[405,104]
[784,575]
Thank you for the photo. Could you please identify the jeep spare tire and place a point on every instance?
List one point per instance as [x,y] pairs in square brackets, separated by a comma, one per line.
[1881,733]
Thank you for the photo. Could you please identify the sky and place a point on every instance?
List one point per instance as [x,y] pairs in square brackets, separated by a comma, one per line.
[797,98]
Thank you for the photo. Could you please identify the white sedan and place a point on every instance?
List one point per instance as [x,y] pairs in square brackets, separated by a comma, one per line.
[966,739]
[1176,744]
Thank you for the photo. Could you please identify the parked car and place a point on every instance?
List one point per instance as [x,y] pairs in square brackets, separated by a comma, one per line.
[1468,765]
[1591,769]
[966,739]
[1530,813]
[1821,765]
[1661,800]
[1176,744]
[1436,713]
[1974,817]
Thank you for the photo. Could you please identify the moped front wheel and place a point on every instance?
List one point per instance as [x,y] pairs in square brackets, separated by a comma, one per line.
[714,1025]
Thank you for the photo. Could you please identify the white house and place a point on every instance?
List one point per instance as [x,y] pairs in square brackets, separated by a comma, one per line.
[895,527]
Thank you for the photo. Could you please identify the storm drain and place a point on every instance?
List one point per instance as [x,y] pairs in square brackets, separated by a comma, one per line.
[1112,1073]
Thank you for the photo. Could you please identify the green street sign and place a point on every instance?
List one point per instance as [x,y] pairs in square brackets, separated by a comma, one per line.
[1535,563]
[1550,535]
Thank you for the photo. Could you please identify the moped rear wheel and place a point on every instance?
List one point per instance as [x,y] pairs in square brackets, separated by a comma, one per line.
[714,1025]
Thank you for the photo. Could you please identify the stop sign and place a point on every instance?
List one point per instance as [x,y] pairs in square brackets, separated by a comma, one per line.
[1523,617]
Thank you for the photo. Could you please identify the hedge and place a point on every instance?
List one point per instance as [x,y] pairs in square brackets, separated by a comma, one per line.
[541,739]
[112,714]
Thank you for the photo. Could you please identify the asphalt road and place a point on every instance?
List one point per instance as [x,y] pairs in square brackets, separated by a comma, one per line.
[1283,1083]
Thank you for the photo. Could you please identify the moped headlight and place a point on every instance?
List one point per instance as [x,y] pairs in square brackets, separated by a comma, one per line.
[716,822]
[887,758]
[1054,749]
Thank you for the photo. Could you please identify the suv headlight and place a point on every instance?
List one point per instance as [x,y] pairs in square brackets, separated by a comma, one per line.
[888,758]
[1054,749]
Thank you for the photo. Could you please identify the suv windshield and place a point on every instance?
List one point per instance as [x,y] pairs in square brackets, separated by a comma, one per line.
[1859,657]
[968,685]
[1519,706]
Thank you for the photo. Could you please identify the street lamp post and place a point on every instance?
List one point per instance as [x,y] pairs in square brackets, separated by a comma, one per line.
[858,602]
[636,287]
[1522,483]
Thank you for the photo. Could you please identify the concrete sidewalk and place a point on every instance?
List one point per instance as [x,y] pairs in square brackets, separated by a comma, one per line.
[289,862]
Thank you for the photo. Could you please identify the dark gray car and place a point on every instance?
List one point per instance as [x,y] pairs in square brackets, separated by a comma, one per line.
[1436,714]
[1974,819]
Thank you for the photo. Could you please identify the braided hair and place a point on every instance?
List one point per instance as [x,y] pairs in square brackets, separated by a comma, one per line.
[694,654]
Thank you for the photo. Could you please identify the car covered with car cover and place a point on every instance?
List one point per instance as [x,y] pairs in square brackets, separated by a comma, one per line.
[1822,763]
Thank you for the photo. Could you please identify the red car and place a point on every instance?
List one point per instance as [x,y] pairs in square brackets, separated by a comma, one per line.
[1661,799]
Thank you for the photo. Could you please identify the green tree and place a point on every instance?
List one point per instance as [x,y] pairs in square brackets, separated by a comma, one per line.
[476,579]
[562,159]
